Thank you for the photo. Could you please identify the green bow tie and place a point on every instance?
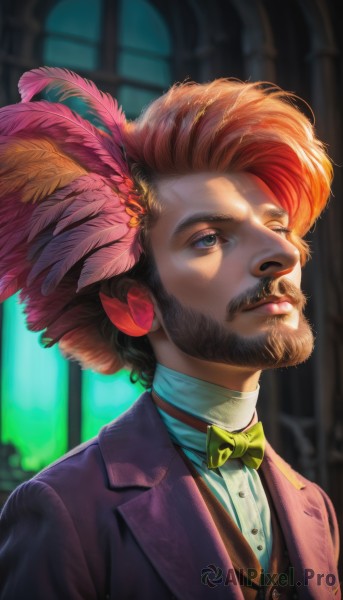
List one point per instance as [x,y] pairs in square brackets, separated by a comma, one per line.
[248,445]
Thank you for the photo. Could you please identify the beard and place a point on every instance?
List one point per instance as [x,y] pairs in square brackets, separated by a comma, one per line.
[203,337]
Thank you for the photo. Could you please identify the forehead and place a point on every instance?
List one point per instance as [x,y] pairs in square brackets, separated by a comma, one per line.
[237,195]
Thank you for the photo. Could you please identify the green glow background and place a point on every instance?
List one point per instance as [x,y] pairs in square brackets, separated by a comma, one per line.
[104,398]
[34,390]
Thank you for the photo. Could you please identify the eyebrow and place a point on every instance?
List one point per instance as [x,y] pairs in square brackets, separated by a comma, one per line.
[201,218]
[205,217]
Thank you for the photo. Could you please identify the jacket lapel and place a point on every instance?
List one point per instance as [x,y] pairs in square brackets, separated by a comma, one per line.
[301,520]
[170,521]
[168,517]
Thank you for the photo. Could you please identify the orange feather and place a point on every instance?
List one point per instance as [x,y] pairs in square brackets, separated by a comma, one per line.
[35,168]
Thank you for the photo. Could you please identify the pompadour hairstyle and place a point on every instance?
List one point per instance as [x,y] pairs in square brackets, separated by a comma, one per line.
[224,126]
[230,126]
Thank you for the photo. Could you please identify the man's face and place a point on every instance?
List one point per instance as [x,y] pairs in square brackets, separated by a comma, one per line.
[228,278]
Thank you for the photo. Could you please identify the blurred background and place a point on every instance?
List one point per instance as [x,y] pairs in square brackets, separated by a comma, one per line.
[135,49]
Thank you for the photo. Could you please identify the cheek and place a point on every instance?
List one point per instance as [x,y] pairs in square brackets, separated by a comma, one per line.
[205,284]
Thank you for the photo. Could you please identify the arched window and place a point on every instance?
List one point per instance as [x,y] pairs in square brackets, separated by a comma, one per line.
[35,382]
[72,34]
[144,55]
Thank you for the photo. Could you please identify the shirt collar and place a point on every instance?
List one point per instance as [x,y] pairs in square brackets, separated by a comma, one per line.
[230,409]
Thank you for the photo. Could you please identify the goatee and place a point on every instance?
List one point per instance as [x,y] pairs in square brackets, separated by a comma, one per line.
[203,337]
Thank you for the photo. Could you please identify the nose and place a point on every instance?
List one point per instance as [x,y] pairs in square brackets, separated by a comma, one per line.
[277,259]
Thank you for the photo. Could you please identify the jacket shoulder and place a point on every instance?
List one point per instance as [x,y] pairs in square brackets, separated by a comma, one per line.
[87,457]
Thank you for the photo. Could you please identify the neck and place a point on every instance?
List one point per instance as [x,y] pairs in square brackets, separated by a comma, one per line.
[242,379]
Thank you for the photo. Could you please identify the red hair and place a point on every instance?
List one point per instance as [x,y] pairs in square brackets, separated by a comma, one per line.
[231,126]
[69,211]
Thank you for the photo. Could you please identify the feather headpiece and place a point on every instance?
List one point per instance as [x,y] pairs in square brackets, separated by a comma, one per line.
[69,212]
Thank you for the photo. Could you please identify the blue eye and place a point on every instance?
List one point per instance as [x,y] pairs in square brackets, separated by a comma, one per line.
[207,241]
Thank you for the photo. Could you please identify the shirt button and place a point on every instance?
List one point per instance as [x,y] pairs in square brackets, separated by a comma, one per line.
[254,531]
[242,494]
[275,594]
[260,547]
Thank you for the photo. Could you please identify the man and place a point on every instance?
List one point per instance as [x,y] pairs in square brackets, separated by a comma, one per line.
[172,244]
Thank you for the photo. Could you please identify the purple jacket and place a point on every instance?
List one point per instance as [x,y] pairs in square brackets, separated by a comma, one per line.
[120,517]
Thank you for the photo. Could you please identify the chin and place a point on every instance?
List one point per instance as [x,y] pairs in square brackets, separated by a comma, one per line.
[283,345]
[285,340]
[279,346]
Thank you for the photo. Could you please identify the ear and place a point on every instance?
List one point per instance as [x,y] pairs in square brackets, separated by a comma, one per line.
[134,317]
[156,324]
[157,321]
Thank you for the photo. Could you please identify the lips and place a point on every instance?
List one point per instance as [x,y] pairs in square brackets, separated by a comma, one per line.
[272,300]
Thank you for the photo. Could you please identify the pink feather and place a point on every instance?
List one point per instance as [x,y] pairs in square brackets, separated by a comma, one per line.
[88,346]
[68,84]
[80,139]
[66,226]
[12,241]
[12,281]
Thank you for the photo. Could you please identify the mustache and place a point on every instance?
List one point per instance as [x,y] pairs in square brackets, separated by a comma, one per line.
[265,288]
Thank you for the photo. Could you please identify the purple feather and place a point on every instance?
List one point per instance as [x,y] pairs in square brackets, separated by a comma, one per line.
[91,204]
[108,262]
[46,214]
[52,210]
[79,211]
[66,249]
